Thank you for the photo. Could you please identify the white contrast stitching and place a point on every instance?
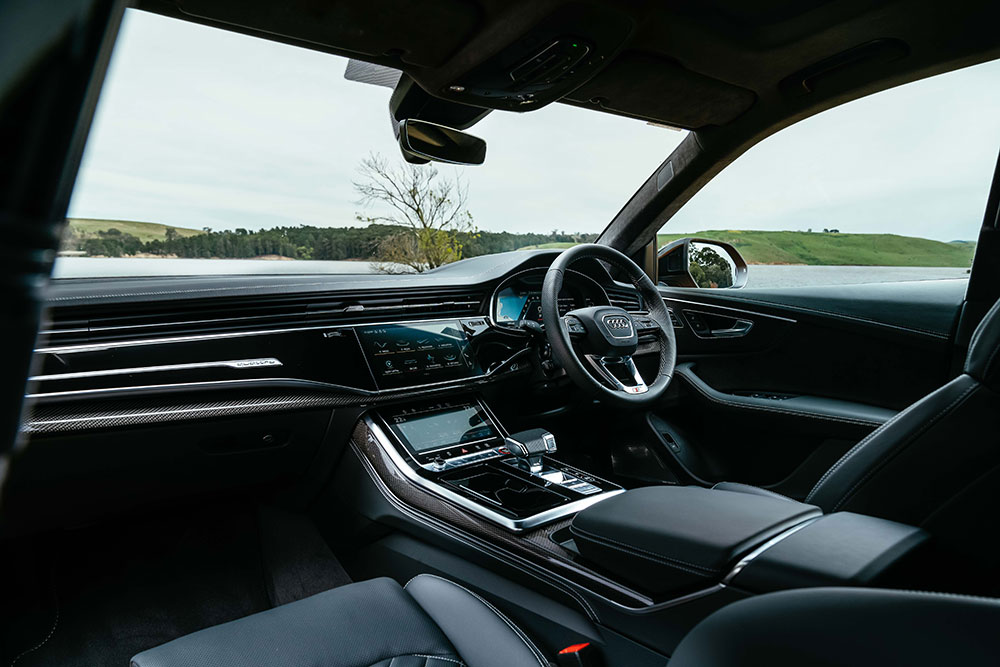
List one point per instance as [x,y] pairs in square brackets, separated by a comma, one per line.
[436,657]
[887,456]
[52,631]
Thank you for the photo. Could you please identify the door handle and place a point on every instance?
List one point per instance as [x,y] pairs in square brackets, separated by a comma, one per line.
[713,325]
[740,328]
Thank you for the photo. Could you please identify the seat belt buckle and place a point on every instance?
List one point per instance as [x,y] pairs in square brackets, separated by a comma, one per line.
[579,655]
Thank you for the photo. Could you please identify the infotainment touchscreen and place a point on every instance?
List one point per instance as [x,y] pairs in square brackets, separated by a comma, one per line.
[402,355]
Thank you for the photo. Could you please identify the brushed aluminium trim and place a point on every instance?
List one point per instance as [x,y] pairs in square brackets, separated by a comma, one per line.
[238,364]
[476,542]
[313,384]
[749,557]
[516,525]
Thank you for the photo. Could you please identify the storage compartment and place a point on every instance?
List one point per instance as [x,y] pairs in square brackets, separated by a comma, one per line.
[667,541]
[672,539]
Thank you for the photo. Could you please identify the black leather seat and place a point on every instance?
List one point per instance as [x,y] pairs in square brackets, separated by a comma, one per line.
[431,622]
[935,464]
[846,626]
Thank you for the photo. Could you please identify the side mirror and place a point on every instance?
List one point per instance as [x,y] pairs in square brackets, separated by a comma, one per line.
[425,141]
[701,263]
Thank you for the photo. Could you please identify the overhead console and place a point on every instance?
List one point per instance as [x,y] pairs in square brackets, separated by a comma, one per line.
[551,59]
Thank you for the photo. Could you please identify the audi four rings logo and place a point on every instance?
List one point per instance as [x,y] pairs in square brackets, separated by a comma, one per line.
[618,322]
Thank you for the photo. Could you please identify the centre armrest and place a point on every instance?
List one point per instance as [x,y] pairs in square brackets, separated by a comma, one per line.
[667,538]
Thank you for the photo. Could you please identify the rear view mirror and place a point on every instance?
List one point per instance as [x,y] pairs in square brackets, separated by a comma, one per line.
[429,141]
[701,263]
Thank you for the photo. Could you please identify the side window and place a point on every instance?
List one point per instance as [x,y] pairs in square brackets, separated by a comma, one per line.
[891,187]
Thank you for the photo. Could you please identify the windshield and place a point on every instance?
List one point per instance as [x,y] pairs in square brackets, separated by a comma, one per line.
[214,152]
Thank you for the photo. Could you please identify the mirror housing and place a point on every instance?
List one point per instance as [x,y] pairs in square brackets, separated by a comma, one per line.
[705,263]
[422,141]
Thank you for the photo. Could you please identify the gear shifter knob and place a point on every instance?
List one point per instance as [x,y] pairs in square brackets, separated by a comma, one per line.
[529,446]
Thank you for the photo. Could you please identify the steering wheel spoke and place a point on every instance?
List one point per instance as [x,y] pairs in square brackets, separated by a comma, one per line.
[595,344]
[620,372]
[574,326]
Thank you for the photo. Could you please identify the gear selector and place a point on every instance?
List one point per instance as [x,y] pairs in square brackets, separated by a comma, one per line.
[529,446]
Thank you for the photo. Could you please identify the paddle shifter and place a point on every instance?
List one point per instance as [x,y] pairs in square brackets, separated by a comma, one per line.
[529,447]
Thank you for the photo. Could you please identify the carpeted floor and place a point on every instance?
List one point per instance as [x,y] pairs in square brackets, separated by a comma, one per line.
[101,595]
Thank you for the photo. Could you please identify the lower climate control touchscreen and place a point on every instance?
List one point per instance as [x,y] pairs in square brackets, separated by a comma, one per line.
[402,355]
[446,434]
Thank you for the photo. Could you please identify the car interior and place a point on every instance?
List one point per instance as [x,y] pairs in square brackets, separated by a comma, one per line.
[538,457]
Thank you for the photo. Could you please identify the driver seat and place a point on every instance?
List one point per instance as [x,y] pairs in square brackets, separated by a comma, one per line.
[936,464]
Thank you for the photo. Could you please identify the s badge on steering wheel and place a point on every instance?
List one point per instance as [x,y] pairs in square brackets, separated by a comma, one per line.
[595,344]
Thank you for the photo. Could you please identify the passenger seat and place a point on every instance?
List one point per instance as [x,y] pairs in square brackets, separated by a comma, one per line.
[431,622]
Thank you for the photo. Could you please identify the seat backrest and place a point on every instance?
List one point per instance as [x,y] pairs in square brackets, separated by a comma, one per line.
[937,463]
[854,627]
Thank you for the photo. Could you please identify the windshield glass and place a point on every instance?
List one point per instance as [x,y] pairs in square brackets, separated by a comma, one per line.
[213,152]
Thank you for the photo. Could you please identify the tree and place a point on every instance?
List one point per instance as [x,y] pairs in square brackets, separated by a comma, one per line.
[430,214]
[708,268]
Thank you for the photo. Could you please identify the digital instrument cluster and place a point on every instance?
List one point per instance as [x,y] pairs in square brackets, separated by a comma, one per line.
[520,298]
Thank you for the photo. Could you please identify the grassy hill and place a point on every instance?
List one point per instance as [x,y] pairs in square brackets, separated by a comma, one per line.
[84,228]
[821,248]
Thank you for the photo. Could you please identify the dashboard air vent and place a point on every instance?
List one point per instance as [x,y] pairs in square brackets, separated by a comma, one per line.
[81,325]
[630,301]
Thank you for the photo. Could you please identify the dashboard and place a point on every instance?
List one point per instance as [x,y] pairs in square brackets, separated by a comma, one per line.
[353,339]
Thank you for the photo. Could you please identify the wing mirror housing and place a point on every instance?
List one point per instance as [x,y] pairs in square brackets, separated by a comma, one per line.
[704,263]
[422,141]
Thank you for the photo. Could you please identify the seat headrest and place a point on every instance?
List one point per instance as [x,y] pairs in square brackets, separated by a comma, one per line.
[983,360]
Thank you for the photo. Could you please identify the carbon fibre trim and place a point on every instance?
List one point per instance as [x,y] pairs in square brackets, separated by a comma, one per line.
[532,546]
[65,417]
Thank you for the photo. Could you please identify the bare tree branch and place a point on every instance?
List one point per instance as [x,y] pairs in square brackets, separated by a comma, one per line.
[430,211]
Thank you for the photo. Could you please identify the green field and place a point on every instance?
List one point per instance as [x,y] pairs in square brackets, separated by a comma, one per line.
[144,231]
[757,247]
[821,248]
[548,246]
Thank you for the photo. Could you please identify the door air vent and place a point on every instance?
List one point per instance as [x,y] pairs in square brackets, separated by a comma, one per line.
[81,325]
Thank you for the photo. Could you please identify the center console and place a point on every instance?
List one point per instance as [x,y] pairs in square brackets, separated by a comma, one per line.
[458,450]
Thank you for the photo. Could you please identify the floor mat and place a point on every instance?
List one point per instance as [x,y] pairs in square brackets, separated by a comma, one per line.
[125,589]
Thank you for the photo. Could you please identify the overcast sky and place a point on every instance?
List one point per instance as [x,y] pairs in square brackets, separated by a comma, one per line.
[199,127]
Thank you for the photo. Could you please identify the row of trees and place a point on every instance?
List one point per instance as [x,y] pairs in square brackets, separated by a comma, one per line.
[328,243]
[417,221]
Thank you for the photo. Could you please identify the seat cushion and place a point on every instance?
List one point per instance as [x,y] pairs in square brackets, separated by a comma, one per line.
[378,623]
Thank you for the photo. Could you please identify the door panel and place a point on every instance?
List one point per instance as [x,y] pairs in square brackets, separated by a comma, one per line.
[773,386]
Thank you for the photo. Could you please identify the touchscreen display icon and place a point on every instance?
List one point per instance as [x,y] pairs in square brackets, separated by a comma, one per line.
[419,353]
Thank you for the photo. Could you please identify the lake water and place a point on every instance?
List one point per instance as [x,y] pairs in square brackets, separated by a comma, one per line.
[760,275]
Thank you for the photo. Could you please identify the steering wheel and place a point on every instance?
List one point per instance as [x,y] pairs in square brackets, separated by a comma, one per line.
[595,344]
